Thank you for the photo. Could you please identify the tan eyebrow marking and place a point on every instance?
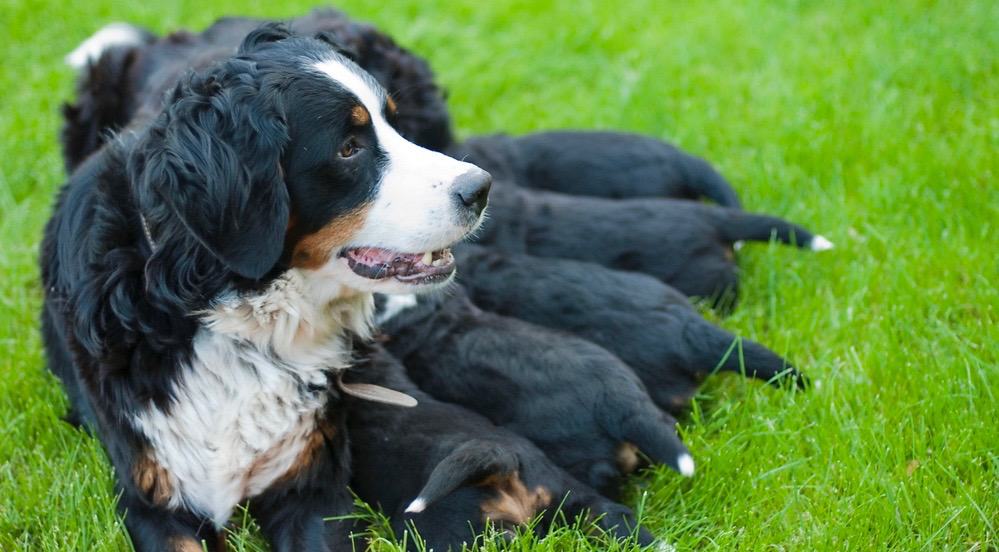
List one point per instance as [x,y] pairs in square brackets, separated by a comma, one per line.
[390,104]
[359,116]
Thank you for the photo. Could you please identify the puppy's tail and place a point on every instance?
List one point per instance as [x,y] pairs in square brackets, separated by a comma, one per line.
[109,36]
[103,62]
[469,462]
[736,226]
[722,350]
[655,435]
[704,181]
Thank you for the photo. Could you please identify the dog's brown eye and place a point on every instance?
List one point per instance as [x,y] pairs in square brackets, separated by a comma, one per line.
[349,148]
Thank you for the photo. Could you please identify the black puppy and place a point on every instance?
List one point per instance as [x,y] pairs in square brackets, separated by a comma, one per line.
[447,471]
[686,244]
[594,163]
[649,325]
[579,403]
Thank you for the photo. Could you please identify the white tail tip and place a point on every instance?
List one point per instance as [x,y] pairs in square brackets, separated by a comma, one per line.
[820,243]
[416,506]
[686,465]
[114,34]
[738,245]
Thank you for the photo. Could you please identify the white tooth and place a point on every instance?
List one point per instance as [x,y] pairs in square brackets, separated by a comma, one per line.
[438,262]
[428,257]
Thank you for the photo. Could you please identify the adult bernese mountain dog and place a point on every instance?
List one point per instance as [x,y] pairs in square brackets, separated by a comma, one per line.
[206,270]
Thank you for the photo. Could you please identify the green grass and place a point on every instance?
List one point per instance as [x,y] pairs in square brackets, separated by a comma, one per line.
[876,124]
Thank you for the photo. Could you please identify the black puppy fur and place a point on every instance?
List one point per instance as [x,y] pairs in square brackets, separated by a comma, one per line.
[649,325]
[576,401]
[113,88]
[593,163]
[686,244]
[445,470]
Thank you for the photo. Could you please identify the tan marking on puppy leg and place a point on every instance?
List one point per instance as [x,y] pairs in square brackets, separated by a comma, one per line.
[627,457]
[313,251]
[359,116]
[729,254]
[152,480]
[513,502]
[184,544]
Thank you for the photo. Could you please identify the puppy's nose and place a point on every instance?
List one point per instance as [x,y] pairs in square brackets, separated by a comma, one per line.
[472,189]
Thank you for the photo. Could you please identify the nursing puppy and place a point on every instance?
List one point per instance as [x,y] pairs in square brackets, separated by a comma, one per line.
[447,471]
[594,163]
[124,67]
[206,272]
[686,244]
[649,325]
[577,402]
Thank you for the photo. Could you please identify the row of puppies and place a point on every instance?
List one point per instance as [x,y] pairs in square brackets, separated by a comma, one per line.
[590,413]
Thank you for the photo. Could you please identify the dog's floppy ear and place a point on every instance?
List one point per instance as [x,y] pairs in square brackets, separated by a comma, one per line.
[208,171]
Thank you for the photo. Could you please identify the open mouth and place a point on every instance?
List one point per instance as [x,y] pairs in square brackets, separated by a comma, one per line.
[412,268]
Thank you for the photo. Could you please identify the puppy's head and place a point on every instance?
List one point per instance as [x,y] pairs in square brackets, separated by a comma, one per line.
[286,156]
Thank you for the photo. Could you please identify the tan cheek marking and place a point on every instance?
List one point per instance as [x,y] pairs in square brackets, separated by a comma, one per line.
[313,251]
[152,480]
[627,457]
[359,116]
[390,104]
[513,502]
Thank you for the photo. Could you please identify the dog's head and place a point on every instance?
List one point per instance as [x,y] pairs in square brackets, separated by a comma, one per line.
[285,156]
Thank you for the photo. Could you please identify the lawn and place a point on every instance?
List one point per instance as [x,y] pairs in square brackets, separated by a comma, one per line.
[876,124]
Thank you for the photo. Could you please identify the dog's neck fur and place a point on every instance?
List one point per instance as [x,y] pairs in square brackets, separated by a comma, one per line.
[295,318]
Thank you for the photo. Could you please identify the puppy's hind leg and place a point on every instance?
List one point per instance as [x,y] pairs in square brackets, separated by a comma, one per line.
[473,460]
[716,349]
[654,433]
[734,226]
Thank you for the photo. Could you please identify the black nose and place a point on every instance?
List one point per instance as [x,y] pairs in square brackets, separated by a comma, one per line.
[472,189]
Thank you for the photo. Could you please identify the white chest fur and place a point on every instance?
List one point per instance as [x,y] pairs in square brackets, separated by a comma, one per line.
[247,405]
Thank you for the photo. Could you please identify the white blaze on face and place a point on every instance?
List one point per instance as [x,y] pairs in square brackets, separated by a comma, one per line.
[415,209]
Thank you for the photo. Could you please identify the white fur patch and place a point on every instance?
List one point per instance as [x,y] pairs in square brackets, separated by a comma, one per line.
[395,304]
[114,34]
[247,404]
[820,243]
[686,464]
[416,506]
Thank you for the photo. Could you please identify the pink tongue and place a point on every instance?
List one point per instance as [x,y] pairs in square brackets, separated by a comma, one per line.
[374,255]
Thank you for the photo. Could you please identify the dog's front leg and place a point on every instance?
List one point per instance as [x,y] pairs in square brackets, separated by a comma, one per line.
[155,529]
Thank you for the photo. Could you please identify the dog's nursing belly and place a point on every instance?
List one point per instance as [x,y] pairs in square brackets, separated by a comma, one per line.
[246,410]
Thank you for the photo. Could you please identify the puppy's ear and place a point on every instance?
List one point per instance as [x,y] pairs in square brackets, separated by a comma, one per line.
[268,32]
[339,45]
[209,168]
